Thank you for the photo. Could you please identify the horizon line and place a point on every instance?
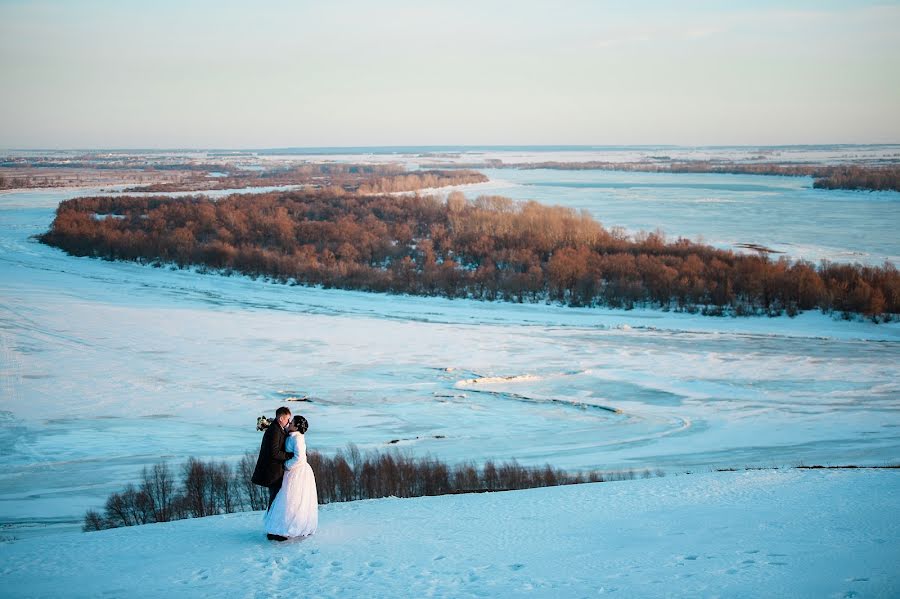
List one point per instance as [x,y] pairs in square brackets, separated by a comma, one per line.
[394,148]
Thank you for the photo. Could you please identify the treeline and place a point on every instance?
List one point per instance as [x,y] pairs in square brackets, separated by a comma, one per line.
[857,177]
[14,178]
[353,475]
[209,488]
[365,178]
[315,175]
[20,182]
[489,248]
[421,180]
[203,489]
[826,176]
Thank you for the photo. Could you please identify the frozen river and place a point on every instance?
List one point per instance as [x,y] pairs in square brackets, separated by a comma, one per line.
[105,367]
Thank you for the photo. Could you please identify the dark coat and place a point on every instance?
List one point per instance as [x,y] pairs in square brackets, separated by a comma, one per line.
[272,456]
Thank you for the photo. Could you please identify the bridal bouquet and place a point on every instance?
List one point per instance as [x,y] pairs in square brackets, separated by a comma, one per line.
[262,423]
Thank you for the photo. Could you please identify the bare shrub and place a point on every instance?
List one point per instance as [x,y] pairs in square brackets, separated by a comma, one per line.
[93,520]
[159,487]
[197,488]
[128,508]
[253,497]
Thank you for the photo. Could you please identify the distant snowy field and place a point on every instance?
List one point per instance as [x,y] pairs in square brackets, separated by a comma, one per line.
[531,154]
[833,534]
[106,367]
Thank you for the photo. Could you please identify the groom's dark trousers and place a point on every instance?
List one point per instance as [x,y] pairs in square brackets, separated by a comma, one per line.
[273,491]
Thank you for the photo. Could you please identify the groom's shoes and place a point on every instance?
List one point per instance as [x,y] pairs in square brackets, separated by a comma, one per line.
[272,537]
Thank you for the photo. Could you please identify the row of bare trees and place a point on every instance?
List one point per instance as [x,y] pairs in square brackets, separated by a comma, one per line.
[210,488]
[858,177]
[487,248]
[350,475]
[365,178]
[421,180]
[203,489]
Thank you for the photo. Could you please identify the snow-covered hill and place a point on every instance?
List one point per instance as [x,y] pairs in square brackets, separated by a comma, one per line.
[787,533]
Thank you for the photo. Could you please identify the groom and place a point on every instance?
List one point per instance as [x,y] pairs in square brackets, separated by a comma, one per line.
[269,470]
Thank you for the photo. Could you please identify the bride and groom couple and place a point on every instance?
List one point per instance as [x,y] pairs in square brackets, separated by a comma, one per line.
[282,467]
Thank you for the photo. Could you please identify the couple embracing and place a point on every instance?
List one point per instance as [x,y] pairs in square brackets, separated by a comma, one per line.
[282,467]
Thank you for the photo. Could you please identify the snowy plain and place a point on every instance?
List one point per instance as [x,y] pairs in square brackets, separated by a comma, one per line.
[461,155]
[797,534]
[106,367]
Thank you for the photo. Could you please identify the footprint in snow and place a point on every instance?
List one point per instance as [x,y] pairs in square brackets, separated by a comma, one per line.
[516,567]
[301,566]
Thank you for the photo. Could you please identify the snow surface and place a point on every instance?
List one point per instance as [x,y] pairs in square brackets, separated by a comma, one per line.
[766,534]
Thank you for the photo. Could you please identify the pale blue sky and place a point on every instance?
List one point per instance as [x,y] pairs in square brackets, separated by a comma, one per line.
[273,74]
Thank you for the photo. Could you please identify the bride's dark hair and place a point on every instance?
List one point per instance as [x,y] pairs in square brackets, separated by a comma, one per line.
[301,424]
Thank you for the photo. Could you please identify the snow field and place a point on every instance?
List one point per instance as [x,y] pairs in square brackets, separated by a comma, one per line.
[731,534]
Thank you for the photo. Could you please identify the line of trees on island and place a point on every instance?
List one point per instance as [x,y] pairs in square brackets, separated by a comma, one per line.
[364,178]
[858,177]
[489,248]
[206,488]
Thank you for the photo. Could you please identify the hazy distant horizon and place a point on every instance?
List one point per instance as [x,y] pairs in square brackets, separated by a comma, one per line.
[204,74]
[407,148]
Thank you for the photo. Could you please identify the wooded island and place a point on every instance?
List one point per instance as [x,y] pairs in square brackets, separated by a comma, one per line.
[489,248]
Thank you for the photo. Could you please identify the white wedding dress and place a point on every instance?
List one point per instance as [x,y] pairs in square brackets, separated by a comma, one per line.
[295,511]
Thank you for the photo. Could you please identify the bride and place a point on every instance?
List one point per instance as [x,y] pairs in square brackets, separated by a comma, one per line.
[295,511]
